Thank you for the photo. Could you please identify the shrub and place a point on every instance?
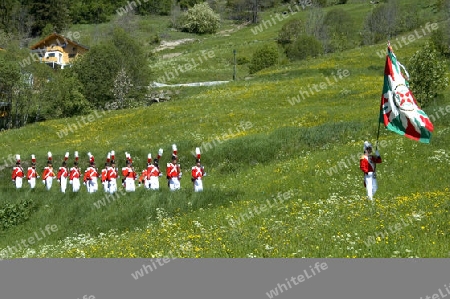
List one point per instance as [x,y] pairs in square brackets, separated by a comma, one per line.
[339,29]
[305,46]
[200,19]
[441,39]
[428,74]
[263,57]
[15,214]
[290,32]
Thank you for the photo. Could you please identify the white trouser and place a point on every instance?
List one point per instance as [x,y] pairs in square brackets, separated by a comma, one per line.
[63,181]
[154,183]
[198,185]
[129,185]
[32,182]
[48,182]
[75,185]
[105,186]
[174,184]
[371,184]
[147,184]
[112,186]
[19,182]
[92,185]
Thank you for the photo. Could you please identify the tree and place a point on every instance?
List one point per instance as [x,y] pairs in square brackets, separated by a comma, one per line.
[290,31]
[441,39]
[200,19]
[339,30]
[63,96]
[98,68]
[428,74]
[121,88]
[381,23]
[54,12]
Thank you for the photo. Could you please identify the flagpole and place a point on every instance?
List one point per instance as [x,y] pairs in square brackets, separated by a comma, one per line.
[379,116]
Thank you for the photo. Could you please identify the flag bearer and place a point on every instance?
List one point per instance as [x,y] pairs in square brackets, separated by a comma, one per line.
[367,164]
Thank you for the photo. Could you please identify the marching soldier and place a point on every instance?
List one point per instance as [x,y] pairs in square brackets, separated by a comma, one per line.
[129,175]
[32,175]
[111,175]
[17,173]
[153,172]
[173,171]
[48,175]
[105,183]
[90,175]
[143,179]
[75,174]
[198,172]
[63,173]
[367,164]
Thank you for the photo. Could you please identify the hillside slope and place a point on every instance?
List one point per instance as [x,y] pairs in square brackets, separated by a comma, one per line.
[282,162]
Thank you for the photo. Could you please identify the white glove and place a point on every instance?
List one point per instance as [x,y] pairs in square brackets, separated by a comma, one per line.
[377,153]
[43,182]
[70,182]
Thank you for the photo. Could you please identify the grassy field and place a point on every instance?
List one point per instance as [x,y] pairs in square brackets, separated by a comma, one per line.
[283,175]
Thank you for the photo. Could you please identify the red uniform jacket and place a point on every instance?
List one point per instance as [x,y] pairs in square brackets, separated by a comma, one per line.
[143,176]
[129,173]
[104,174]
[31,173]
[48,172]
[111,173]
[17,172]
[197,172]
[367,163]
[172,170]
[74,173]
[62,173]
[152,170]
[90,173]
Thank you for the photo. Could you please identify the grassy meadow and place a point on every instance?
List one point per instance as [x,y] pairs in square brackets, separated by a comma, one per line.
[283,177]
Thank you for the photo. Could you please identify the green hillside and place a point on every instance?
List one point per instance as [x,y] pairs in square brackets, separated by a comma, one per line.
[283,174]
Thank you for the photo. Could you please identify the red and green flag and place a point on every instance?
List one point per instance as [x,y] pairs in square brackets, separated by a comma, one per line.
[399,110]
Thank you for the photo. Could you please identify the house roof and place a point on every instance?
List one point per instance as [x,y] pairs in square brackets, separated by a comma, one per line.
[44,41]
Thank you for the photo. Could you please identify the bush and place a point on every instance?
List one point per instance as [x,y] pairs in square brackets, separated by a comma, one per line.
[200,19]
[263,57]
[428,74]
[339,29]
[290,32]
[441,39]
[305,46]
[15,214]
[381,23]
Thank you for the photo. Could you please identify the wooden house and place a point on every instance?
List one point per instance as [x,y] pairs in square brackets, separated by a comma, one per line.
[58,51]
